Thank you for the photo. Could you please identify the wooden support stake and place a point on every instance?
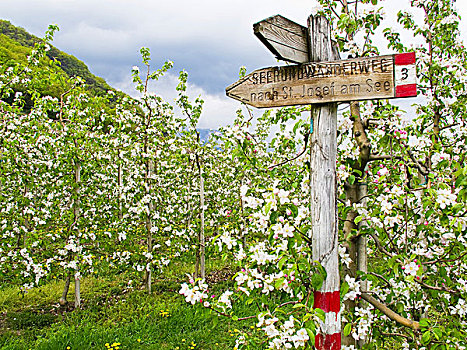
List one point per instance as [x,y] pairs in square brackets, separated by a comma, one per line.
[76,214]
[149,181]
[201,231]
[323,196]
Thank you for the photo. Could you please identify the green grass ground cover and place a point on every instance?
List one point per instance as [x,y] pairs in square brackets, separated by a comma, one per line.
[114,316]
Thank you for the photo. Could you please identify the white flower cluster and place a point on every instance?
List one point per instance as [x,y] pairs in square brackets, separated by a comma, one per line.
[260,254]
[195,292]
[460,308]
[439,157]
[363,327]
[344,256]
[284,336]
[411,269]
[445,198]
[251,279]
[354,288]
[227,240]
[224,300]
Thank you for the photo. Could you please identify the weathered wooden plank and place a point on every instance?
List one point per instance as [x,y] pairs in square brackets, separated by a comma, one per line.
[286,39]
[323,196]
[321,82]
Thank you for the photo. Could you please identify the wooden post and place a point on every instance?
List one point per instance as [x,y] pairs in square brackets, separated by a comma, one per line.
[76,214]
[201,230]
[323,201]
[77,293]
[120,186]
[150,172]
[200,263]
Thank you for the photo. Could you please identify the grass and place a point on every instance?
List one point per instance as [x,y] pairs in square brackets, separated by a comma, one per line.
[114,316]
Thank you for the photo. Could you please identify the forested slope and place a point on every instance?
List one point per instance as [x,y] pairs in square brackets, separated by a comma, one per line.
[15,47]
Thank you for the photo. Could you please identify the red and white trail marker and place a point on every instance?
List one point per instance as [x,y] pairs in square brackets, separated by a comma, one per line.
[330,303]
[405,75]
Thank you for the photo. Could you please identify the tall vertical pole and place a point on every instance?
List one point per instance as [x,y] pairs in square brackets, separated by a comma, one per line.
[76,214]
[149,181]
[323,201]
[202,242]
[120,186]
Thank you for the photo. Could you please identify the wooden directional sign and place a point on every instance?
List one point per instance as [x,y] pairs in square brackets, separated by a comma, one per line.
[367,78]
[286,39]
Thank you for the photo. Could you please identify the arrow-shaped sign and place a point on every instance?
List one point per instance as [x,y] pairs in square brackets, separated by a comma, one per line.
[367,78]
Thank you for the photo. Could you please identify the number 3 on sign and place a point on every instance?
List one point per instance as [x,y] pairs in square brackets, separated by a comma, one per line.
[405,73]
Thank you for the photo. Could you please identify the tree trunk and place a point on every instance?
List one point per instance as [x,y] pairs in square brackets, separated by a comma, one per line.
[242,221]
[351,194]
[358,246]
[362,254]
[63,300]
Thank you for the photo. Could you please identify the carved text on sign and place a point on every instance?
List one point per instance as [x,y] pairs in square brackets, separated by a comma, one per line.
[323,82]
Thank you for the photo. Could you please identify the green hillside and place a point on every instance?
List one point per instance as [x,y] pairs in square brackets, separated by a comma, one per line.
[16,44]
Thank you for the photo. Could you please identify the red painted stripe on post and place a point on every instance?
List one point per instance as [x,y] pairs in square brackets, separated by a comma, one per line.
[406,90]
[328,341]
[405,58]
[327,301]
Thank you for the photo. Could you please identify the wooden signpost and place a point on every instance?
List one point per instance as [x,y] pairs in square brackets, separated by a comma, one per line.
[322,79]
[367,78]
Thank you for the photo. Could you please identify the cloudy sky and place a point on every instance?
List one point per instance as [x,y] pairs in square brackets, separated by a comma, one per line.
[210,39]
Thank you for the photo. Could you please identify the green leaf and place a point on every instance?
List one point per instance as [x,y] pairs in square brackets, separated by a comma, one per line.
[321,269]
[281,311]
[424,323]
[234,318]
[317,281]
[273,217]
[279,283]
[344,288]
[311,334]
[426,337]
[297,125]
[321,314]
[271,237]
[267,208]
[400,307]
[438,333]
[347,329]
[294,210]
[282,262]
